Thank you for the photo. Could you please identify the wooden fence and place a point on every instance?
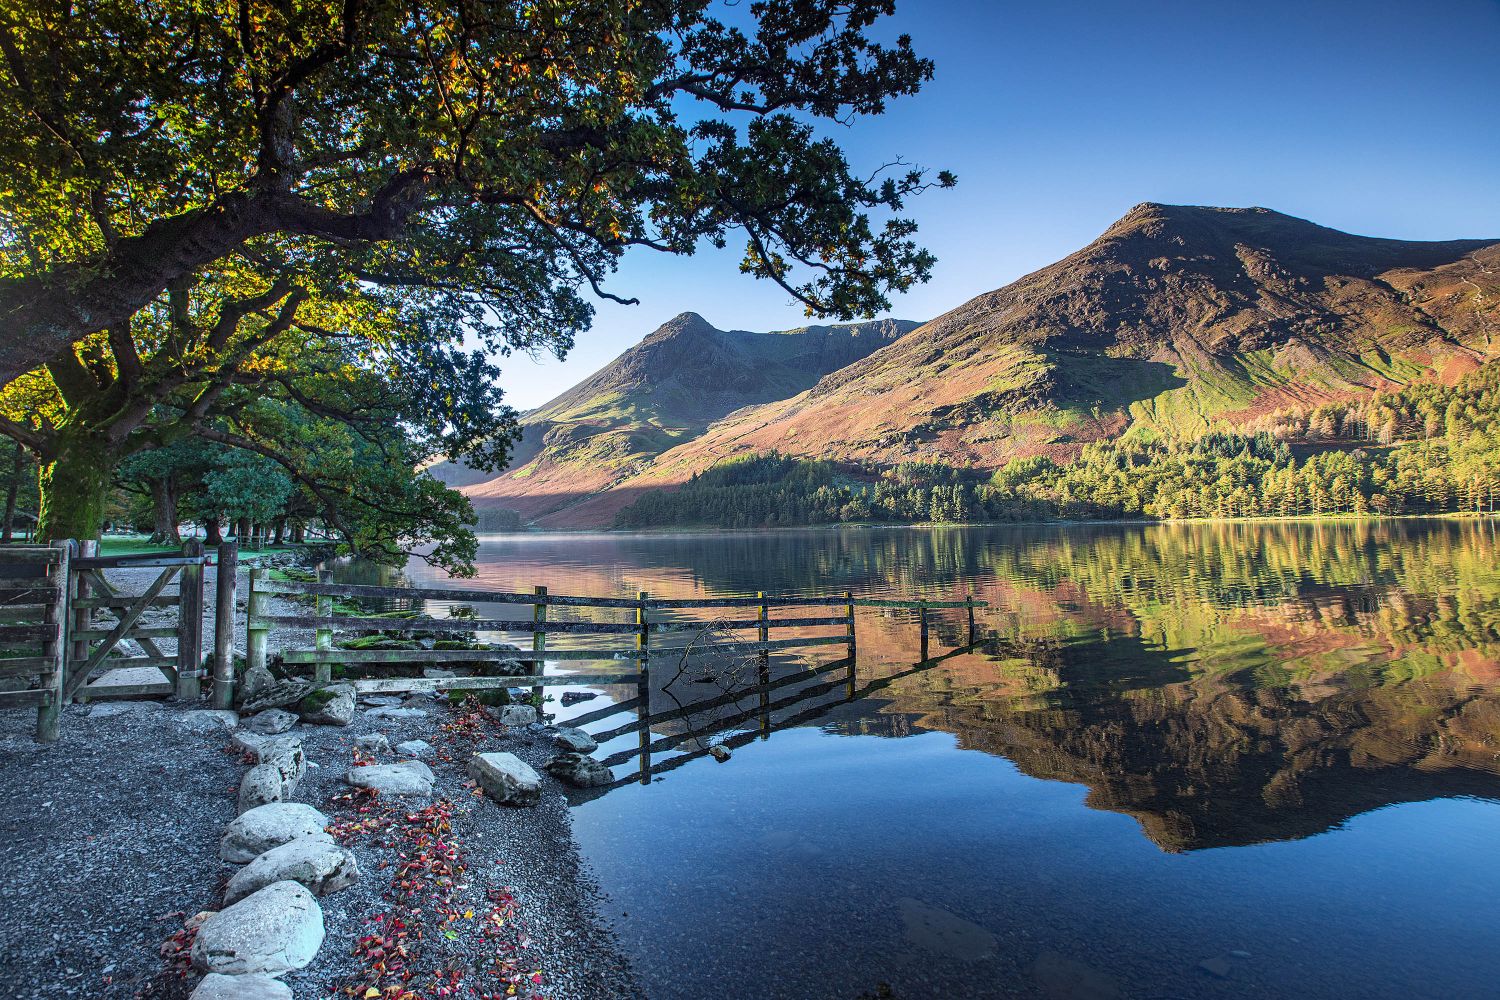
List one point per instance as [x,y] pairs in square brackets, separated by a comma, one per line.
[33,625]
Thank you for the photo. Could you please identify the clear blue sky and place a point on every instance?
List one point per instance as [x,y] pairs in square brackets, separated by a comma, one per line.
[1381,118]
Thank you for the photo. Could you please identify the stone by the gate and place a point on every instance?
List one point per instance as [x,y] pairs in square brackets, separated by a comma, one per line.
[514,715]
[215,986]
[414,748]
[382,700]
[506,778]
[314,862]
[576,740]
[408,778]
[257,831]
[373,743]
[579,771]
[278,694]
[209,720]
[269,932]
[331,705]
[271,722]
[286,753]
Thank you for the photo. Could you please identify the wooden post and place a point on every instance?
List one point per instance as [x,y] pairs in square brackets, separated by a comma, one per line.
[538,644]
[255,632]
[849,612]
[224,597]
[190,623]
[969,605]
[82,618]
[323,635]
[922,614]
[643,683]
[763,670]
[54,649]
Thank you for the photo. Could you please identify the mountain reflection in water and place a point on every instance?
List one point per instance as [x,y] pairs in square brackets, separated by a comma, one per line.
[1224,685]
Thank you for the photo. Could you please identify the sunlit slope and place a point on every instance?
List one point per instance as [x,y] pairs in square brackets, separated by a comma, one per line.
[662,392]
[1176,319]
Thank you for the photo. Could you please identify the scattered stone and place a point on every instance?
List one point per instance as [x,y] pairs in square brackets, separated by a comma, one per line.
[410,777]
[315,862]
[257,831]
[395,713]
[579,771]
[574,697]
[382,700]
[719,752]
[332,705]
[209,720]
[255,682]
[262,785]
[514,715]
[373,743]
[575,740]
[1218,967]
[196,920]
[103,710]
[506,778]
[271,722]
[279,694]
[414,748]
[215,986]
[269,932]
[245,741]
[437,673]
[535,727]
[286,753]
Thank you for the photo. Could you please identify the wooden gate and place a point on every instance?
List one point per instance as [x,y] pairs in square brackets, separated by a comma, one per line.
[94,640]
[33,592]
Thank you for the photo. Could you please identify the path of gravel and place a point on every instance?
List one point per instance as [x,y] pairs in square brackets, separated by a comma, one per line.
[109,838]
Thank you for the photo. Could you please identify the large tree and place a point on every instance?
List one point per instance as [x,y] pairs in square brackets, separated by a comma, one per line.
[489,159]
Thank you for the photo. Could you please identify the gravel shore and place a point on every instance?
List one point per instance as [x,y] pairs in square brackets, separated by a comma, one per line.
[109,838]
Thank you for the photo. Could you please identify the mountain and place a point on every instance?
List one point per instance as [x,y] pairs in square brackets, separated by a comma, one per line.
[662,392]
[1175,321]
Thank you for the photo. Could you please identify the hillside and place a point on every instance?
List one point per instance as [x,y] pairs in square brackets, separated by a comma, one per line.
[1176,320]
[662,392]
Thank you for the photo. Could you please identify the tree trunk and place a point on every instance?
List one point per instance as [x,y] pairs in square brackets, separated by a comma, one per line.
[279,528]
[164,511]
[211,533]
[75,487]
[17,467]
[299,532]
[242,531]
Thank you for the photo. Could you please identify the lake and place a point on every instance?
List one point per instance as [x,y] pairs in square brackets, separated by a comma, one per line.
[1189,760]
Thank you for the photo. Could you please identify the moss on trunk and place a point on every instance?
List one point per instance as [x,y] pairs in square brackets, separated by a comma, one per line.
[75,486]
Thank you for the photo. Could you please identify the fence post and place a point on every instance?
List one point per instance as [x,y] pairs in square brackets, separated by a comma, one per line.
[969,605]
[763,668]
[224,596]
[55,649]
[922,613]
[849,612]
[190,623]
[323,636]
[255,633]
[643,683]
[82,618]
[538,644]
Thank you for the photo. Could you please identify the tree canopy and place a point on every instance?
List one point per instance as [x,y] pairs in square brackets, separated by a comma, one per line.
[472,167]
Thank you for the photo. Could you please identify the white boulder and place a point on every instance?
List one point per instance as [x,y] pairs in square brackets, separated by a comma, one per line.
[506,778]
[269,932]
[271,722]
[257,831]
[215,986]
[408,778]
[576,740]
[314,862]
[414,748]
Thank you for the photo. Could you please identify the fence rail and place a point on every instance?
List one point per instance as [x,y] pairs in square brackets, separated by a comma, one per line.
[33,640]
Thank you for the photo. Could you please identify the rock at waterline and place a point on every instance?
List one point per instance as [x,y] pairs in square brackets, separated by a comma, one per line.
[513,715]
[408,778]
[271,722]
[576,740]
[579,771]
[314,862]
[215,986]
[373,743]
[719,752]
[396,713]
[414,748]
[257,831]
[208,720]
[574,697]
[332,705]
[506,778]
[269,932]
[945,933]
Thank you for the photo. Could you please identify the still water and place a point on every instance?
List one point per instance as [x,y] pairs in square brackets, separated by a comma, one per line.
[1222,760]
